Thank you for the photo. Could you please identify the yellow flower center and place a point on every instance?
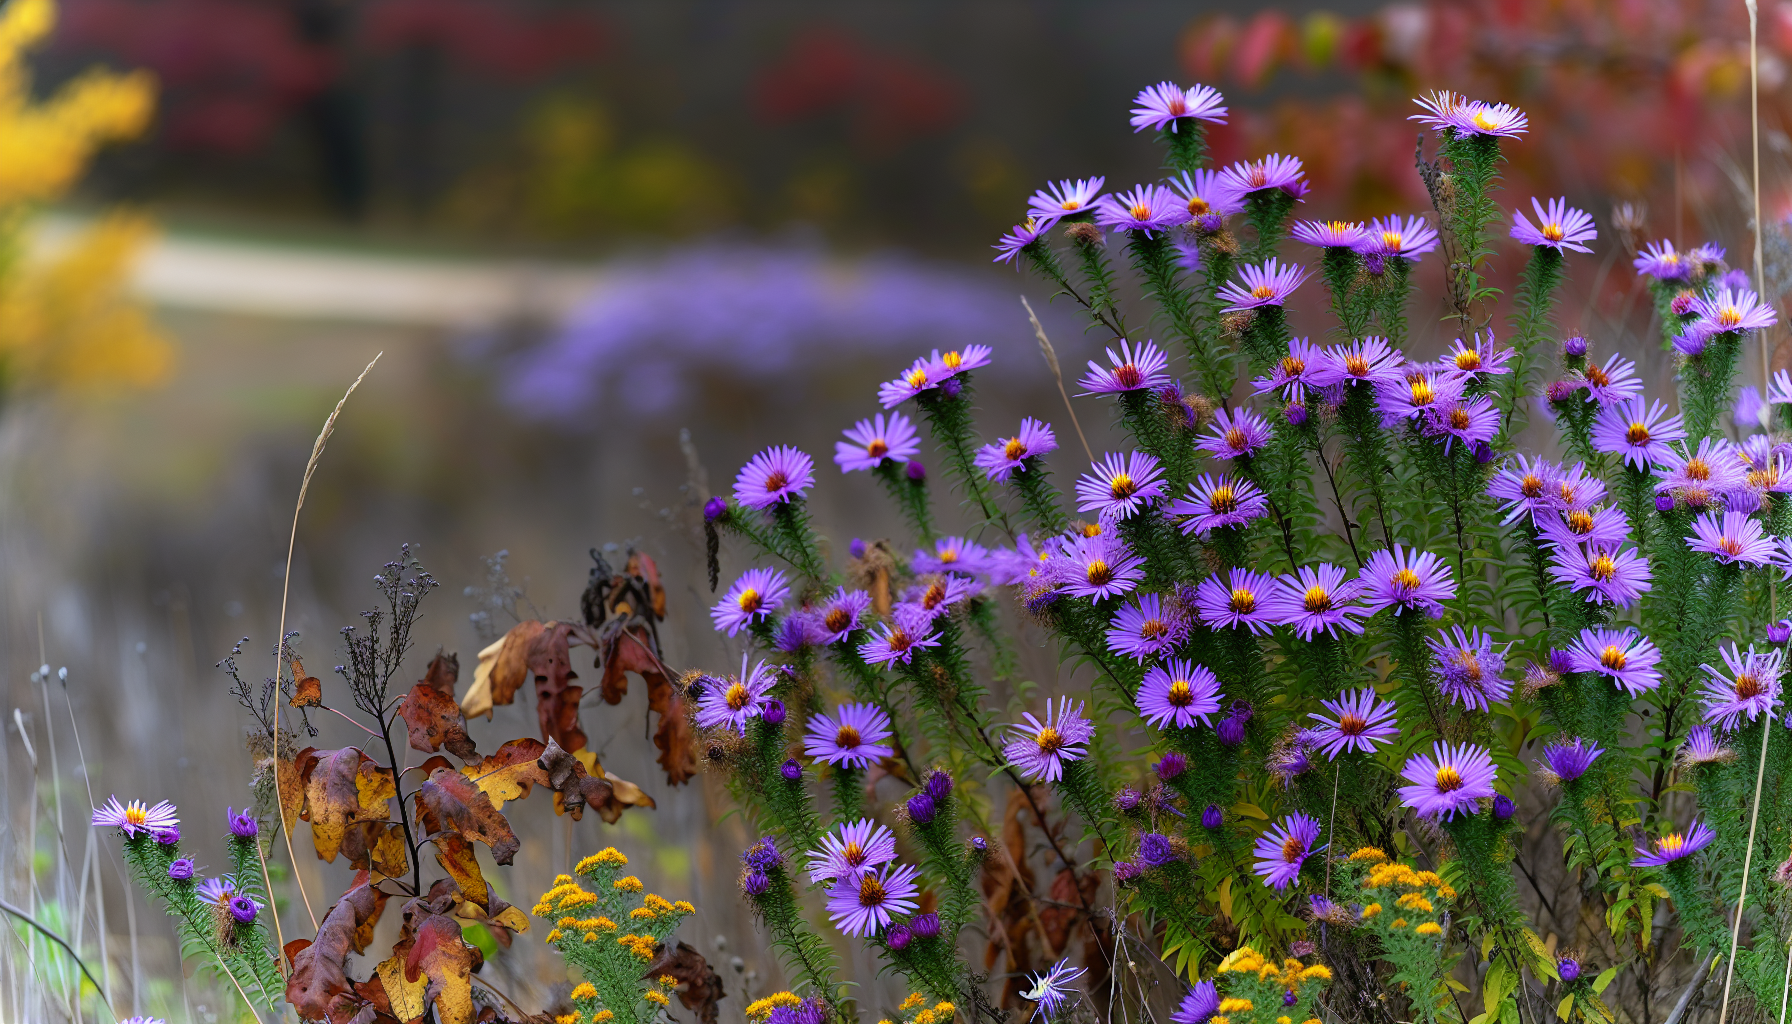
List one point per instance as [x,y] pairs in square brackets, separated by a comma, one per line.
[1014,451]
[1140,211]
[1197,206]
[952,359]
[1099,574]
[1603,568]
[1356,365]
[1222,500]
[877,449]
[916,377]
[1243,601]
[846,736]
[1235,439]
[871,891]
[837,620]
[1613,658]
[1459,418]
[737,696]
[135,813]
[1580,522]
[1352,724]
[899,639]
[935,593]
[1448,780]
[1393,241]
[1422,393]
[749,600]
[1697,469]
[1406,579]
[1154,629]
[1468,359]
[1181,695]
[1049,740]
[1483,122]
[1263,291]
[1531,485]
[1729,316]
[1597,376]
[1552,232]
[1071,204]
[1121,486]
[1317,600]
[853,854]
[1748,686]
[1292,367]
[1292,849]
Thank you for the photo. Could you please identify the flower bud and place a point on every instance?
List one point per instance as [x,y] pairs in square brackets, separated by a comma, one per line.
[755,883]
[1780,632]
[1127,799]
[1575,346]
[1289,998]
[168,836]
[243,909]
[915,470]
[1125,871]
[791,770]
[1172,765]
[921,808]
[1231,730]
[857,547]
[242,825]
[715,508]
[1483,452]
[1682,304]
[773,712]
[1296,414]
[1568,968]
[181,870]
[1664,502]
[1559,662]
[1212,817]
[925,926]
[939,786]
[980,844]
[951,386]
[1155,850]
[898,937]
[1503,807]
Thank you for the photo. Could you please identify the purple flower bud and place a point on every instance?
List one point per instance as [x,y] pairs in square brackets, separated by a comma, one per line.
[1231,730]
[755,883]
[951,386]
[1125,871]
[791,770]
[1575,346]
[939,786]
[1212,817]
[168,836]
[1780,632]
[1155,850]
[763,855]
[1568,968]
[773,712]
[1296,414]
[715,508]
[1128,798]
[1301,948]
[1503,807]
[1322,907]
[915,470]
[1483,452]
[1561,390]
[243,909]
[921,808]
[1171,766]
[925,926]
[181,870]
[1682,305]
[857,547]
[1289,998]
[242,825]
[1559,662]
[980,844]
[1664,502]
[898,937]
[1375,263]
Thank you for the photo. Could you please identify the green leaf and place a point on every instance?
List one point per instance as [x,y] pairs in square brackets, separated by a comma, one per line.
[1604,979]
[1564,1006]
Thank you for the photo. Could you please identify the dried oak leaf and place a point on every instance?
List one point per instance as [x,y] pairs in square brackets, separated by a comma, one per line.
[502,670]
[510,773]
[342,788]
[377,846]
[556,695]
[498,917]
[631,649]
[308,691]
[291,777]
[406,999]
[457,857]
[449,801]
[439,954]
[318,969]
[432,717]
[699,986]
[578,781]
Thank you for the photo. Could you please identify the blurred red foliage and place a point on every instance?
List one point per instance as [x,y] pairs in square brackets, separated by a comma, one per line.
[889,100]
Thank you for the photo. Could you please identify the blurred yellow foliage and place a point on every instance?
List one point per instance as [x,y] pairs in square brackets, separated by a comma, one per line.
[69,321]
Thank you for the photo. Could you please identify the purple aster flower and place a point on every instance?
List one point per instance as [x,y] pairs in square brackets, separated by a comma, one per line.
[1242,598]
[1733,538]
[242,826]
[856,548]
[755,883]
[1231,728]
[729,705]
[1640,432]
[1360,720]
[1408,238]
[1317,599]
[1266,285]
[952,554]
[775,475]
[1693,340]
[871,441]
[1206,198]
[1780,632]
[181,869]
[1408,578]
[1780,391]
[852,848]
[1526,485]
[1212,817]
[715,508]
[1730,311]
[1574,345]
[1128,799]
[1474,422]
[1133,369]
[957,361]
[1065,198]
[1708,257]
[1417,392]
[799,629]
[1364,361]
[1674,846]
[1147,208]
[1612,383]
[864,904]
[1497,119]
[1703,747]
[1202,1002]
[922,808]
[1155,850]
[1289,374]
[1482,359]
[839,616]
[999,461]
[853,736]
[1163,106]
[1468,669]
[1041,749]
[1565,762]
[1051,992]
[1178,693]
[1441,108]
[1751,687]
[135,817]
[1218,503]
[763,855]
[1448,781]
[774,712]
[922,375]
[1282,850]
[936,595]
[1750,412]
[1245,179]
[222,892]
[243,909]
[1625,656]
[898,937]
[1146,627]
[1235,433]
[791,769]
[757,594]
[168,836]
[1328,234]
[1009,247]
[1568,968]
[1602,571]
[1716,466]
[1121,486]
[1171,765]
[1577,489]
[938,784]
[1560,227]
[1291,757]
[1660,261]
[1099,567]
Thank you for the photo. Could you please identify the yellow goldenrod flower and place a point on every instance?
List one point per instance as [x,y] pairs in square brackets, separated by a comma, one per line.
[567,922]
[944,1007]
[560,880]
[759,1009]
[668,981]
[657,902]
[567,1018]
[1399,922]
[1369,853]
[643,914]
[585,990]
[656,997]
[627,883]
[1284,1020]
[554,936]
[914,1002]
[1320,971]
[602,1016]
[1236,1006]
[1371,910]
[1219,1019]
[924,1017]
[590,936]
[1429,928]
[685,908]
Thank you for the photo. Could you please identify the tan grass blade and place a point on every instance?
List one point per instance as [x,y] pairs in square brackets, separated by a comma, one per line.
[1051,360]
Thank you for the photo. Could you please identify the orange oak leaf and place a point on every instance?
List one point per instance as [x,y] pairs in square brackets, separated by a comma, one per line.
[432,717]
[449,801]
[503,669]
[308,691]
[457,857]
[342,788]
[318,971]
[511,772]
[377,846]
[293,774]
[439,954]
[556,695]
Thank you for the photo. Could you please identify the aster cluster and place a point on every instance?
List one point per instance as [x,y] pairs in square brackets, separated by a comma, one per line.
[612,933]
[1318,600]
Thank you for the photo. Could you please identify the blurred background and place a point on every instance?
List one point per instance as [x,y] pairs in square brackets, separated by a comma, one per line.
[608,251]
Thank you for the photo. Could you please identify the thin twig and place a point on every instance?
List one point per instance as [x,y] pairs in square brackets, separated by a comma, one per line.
[292,541]
[53,937]
[1051,360]
[1748,857]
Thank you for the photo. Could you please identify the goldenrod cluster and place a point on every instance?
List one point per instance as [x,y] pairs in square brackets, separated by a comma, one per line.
[608,857]
[939,1013]
[1250,980]
[760,1009]
[586,933]
[642,946]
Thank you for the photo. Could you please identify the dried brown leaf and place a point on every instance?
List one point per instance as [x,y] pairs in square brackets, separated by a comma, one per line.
[342,788]
[432,717]
[699,986]
[509,773]
[449,801]
[457,858]
[439,954]
[556,695]
[318,970]
[308,691]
